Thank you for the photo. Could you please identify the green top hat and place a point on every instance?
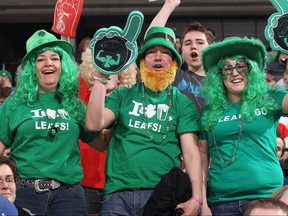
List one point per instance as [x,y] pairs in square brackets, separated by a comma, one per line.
[6,73]
[253,49]
[160,36]
[42,38]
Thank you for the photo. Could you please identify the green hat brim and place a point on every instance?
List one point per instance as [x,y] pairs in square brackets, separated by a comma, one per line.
[61,43]
[253,49]
[6,73]
[158,42]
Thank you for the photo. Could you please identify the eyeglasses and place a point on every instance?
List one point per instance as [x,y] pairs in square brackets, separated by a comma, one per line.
[241,67]
[8,180]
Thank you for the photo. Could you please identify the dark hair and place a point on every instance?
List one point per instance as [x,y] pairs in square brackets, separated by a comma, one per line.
[280,192]
[210,29]
[81,45]
[11,164]
[196,26]
[266,203]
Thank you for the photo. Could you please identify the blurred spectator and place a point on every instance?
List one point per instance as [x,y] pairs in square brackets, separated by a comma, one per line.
[281,194]
[5,78]
[285,79]
[271,81]
[278,67]
[81,48]
[178,44]
[280,146]
[266,206]
[4,93]
[212,33]
[8,176]
[281,136]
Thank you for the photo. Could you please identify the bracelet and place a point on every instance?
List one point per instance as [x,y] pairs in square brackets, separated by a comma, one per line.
[197,200]
[102,80]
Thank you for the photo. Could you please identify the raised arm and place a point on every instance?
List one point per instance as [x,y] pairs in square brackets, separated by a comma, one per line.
[192,159]
[163,15]
[97,116]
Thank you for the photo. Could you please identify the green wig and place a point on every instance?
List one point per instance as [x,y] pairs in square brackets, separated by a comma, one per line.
[26,90]
[254,95]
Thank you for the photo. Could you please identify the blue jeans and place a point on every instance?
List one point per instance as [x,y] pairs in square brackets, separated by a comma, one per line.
[93,199]
[233,208]
[65,200]
[130,202]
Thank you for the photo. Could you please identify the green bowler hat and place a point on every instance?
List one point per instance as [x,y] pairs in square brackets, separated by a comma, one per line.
[41,39]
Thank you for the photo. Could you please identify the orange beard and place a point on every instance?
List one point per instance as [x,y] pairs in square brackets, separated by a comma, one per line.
[158,80]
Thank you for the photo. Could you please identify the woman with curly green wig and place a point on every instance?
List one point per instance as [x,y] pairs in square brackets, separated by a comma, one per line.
[238,126]
[42,122]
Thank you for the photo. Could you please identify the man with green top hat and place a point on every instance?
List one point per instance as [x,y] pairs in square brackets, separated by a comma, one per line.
[154,124]
[5,78]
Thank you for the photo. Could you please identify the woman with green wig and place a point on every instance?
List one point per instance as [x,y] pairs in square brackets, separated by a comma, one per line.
[41,122]
[238,127]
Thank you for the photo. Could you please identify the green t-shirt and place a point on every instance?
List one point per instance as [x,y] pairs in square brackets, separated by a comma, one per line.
[133,160]
[37,155]
[255,172]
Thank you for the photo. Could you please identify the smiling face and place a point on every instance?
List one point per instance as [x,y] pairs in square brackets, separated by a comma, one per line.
[234,75]
[48,69]
[7,183]
[193,43]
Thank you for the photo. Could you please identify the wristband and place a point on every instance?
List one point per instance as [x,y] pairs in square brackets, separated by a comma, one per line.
[102,80]
[197,200]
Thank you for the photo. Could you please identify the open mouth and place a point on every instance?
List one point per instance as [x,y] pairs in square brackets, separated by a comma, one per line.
[157,66]
[236,81]
[194,55]
[47,72]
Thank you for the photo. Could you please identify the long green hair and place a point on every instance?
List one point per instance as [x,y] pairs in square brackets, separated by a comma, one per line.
[26,90]
[254,95]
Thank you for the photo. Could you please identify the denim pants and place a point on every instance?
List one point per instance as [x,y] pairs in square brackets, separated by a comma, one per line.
[233,208]
[65,200]
[93,199]
[128,203]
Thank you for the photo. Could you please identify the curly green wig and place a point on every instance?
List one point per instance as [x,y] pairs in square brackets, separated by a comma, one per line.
[26,90]
[254,95]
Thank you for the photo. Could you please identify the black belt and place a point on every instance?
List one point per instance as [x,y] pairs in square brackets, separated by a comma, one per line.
[41,185]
